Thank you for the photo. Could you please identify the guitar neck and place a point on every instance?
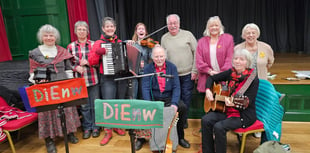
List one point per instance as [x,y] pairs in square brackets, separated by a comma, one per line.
[168,146]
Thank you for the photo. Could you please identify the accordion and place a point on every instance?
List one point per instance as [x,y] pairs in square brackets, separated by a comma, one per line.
[120,58]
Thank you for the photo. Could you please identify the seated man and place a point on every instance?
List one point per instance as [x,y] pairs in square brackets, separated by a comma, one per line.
[167,90]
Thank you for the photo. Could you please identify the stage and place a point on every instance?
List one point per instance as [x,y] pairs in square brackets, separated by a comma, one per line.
[297,100]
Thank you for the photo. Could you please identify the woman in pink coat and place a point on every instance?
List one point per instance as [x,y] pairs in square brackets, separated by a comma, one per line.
[214,52]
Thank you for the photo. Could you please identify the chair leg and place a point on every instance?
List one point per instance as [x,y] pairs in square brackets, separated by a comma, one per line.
[242,147]
[10,140]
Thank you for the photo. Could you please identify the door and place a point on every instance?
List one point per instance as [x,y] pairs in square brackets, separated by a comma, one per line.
[23,18]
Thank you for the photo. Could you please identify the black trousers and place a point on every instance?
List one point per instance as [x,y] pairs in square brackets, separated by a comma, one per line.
[182,109]
[216,123]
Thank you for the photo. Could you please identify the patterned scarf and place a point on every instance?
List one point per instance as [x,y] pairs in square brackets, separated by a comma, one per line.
[110,38]
[238,78]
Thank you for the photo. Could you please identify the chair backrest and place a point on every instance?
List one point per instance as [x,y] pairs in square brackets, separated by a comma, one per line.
[269,110]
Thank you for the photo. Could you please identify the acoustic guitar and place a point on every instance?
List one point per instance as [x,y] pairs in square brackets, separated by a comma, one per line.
[220,93]
[169,143]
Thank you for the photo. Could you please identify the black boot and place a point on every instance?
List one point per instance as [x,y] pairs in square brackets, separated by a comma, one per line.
[72,138]
[139,143]
[50,145]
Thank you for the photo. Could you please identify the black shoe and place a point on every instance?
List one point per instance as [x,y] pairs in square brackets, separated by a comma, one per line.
[184,143]
[72,138]
[86,134]
[186,125]
[50,145]
[139,143]
[96,133]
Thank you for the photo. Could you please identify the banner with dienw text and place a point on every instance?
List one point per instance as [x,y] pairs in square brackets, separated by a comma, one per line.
[129,113]
[56,92]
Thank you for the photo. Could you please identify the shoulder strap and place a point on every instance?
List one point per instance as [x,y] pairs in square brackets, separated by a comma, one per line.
[247,83]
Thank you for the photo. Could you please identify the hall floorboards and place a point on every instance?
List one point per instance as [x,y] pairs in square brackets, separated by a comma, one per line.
[296,134]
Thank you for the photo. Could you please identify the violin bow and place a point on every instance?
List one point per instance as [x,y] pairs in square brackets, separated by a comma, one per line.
[151,34]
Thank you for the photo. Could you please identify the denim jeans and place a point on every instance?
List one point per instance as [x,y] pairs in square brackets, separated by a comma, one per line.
[187,86]
[137,88]
[111,89]
[88,110]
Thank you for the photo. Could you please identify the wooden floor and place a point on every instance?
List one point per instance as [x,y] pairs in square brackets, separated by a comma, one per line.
[297,134]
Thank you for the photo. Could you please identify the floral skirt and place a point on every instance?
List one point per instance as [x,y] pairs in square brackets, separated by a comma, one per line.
[50,123]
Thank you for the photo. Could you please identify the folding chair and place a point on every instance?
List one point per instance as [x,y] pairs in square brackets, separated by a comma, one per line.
[16,124]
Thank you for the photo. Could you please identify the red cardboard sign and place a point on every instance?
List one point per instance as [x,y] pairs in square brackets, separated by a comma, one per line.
[56,92]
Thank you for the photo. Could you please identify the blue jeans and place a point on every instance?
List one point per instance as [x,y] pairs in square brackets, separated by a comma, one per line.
[137,88]
[88,110]
[187,86]
[111,89]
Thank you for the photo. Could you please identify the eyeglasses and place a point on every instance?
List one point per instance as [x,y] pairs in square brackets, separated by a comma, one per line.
[81,30]
[173,23]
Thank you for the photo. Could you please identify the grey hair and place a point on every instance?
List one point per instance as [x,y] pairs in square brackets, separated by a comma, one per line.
[246,54]
[213,18]
[48,29]
[170,15]
[250,25]
[108,19]
[80,23]
[159,47]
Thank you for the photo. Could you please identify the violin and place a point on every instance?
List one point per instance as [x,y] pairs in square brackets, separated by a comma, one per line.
[149,42]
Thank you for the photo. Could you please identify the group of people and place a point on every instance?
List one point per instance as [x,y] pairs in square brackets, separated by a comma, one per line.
[213,59]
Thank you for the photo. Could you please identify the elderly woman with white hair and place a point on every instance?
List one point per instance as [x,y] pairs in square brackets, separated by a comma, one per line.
[262,52]
[56,59]
[214,52]
[241,81]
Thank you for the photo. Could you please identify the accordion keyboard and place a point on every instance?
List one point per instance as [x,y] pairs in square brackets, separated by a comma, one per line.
[107,60]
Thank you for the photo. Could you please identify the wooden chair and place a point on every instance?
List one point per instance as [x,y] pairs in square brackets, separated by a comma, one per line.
[16,124]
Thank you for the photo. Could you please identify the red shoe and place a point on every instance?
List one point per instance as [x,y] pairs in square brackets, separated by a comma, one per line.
[107,137]
[119,131]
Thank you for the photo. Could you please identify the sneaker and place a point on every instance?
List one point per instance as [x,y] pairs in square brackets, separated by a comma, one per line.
[96,133]
[86,134]
[257,134]
[119,131]
[107,137]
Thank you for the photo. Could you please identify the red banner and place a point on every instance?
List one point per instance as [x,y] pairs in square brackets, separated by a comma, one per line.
[56,92]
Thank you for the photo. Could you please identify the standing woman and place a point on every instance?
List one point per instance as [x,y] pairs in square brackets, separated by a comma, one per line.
[80,50]
[262,55]
[110,89]
[145,52]
[57,60]
[214,52]
[262,52]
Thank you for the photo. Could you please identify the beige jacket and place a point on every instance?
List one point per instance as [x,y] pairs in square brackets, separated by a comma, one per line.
[265,58]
